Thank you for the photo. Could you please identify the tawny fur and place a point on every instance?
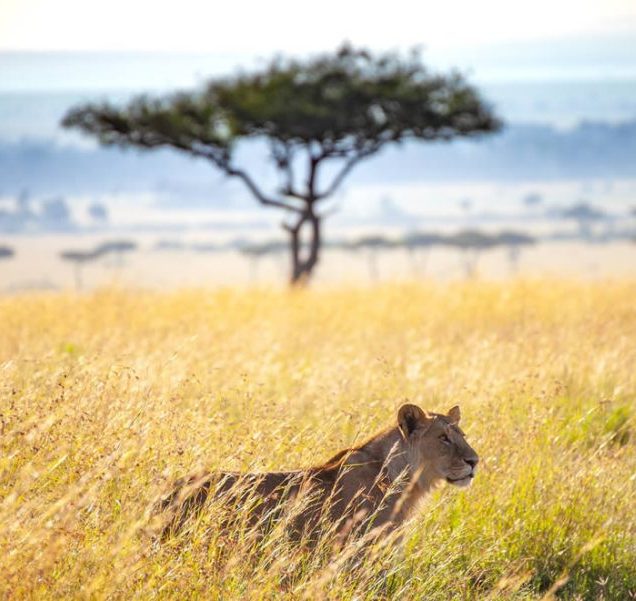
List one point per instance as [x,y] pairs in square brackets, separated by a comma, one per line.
[372,487]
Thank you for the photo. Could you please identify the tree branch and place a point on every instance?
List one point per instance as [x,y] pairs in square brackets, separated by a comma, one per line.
[255,190]
[283,156]
[311,177]
[221,160]
[348,166]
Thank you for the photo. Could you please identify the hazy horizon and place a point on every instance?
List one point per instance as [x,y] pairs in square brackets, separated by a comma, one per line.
[568,100]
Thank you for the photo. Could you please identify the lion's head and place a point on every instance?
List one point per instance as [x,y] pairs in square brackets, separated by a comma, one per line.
[436,447]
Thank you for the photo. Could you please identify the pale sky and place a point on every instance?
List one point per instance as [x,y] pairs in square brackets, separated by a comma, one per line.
[262,27]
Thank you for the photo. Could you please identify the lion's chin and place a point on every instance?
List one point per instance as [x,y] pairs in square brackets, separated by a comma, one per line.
[461,482]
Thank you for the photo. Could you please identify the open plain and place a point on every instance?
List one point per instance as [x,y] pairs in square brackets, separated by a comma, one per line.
[105,398]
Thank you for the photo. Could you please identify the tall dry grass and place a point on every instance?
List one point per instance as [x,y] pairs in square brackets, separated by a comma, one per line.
[105,398]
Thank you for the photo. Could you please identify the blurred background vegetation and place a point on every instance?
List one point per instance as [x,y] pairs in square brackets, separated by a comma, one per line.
[329,134]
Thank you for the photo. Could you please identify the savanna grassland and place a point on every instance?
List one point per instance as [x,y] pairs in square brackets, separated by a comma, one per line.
[106,398]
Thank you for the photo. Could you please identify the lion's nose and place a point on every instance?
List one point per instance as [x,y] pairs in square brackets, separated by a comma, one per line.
[473,461]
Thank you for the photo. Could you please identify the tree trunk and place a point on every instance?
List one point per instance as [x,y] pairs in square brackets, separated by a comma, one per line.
[303,267]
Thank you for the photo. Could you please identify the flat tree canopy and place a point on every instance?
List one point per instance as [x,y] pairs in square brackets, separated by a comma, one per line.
[335,109]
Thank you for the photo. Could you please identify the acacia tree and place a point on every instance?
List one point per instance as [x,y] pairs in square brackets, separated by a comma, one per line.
[320,117]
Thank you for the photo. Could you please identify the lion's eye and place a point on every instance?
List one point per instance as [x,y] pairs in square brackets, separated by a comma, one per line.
[445,439]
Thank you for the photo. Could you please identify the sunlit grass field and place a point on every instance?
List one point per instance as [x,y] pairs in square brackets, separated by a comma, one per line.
[106,398]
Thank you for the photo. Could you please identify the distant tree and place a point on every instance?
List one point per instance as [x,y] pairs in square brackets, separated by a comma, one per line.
[418,245]
[471,243]
[372,245]
[514,241]
[117,249]
[256,251]
[79,258]
[6,252]
[206,247]
[585,215]
[170,245]
[116,246]
[319,117]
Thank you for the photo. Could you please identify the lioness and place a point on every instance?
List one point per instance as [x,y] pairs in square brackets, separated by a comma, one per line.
[372,487]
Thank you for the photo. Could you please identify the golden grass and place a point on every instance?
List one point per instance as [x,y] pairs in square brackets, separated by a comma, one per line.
[106,398]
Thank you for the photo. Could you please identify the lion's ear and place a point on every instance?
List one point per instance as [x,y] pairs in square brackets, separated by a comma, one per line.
[454,415]
[411,417]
